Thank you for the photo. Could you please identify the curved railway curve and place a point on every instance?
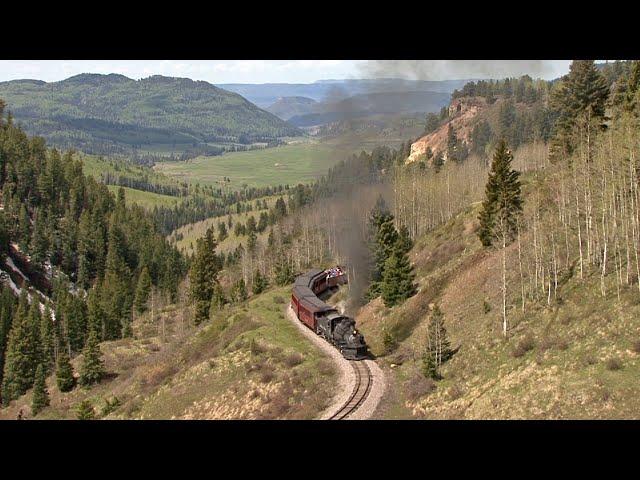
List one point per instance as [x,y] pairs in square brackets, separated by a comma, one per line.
[348,402]
[361,390]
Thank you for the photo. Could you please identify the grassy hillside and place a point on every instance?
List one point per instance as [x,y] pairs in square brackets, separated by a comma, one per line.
[190,233]
[111,113]
[248,362]
[576,358]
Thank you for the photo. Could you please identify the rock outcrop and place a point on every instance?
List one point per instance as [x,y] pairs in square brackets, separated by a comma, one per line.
[462,112]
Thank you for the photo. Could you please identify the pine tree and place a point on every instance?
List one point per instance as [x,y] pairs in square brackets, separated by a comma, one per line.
[259,283]
[64,372]
[384,238]
[501,210]
[203,275]
[142,291]
[239,291]
[452,144]
[397,282]
[40,395]
[579,101]
[47,341]
[96,317]
[438,348]
[116,286]
[283,272]
[92,368]
[22,353]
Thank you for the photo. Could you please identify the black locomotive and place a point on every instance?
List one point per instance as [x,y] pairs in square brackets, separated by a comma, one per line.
[325,320]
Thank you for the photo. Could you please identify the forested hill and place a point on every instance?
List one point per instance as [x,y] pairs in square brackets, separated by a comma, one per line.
[89,255]
[111,113]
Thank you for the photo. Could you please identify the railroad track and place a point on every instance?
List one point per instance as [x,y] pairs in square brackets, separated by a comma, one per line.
[361,390]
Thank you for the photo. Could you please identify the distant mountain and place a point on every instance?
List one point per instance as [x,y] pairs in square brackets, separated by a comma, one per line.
[287,107]
[266,94]
[364,105]
[109,112]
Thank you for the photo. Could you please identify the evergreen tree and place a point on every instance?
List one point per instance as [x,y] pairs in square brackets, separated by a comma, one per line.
[22,354]
[438,349]
[96,317]
[384,242]
[452,145]
[501,210]
[222,231]
[47,341]
[579,101]
[203,275]
[397,281]
[503,200]
[40,396]
[283,271]
[64,372]
[259,283]
[142,291]
[92,367]
[239,291]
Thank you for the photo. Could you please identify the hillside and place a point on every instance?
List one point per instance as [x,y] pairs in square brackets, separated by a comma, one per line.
[578,358]
[113,113]
[287,107]
[249,362]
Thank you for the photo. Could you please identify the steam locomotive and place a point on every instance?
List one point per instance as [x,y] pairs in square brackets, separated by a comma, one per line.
[325,320]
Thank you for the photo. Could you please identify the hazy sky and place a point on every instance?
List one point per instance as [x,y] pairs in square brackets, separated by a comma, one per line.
[285,71]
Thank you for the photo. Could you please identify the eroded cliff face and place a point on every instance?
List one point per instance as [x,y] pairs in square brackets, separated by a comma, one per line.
[462,114]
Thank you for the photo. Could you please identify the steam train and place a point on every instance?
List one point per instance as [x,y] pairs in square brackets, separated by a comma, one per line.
[325,320]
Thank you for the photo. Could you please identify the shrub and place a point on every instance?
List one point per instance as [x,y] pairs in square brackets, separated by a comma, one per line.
[84,411]
[455,392]
[525,345]
[278,299]
[614,364]
[486,307]
[325,367]
[635,346]
[110,405]
[256,348]
[389,340]
[293,359]
[419,386]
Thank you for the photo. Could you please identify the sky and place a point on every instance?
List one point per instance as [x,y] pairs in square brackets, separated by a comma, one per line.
[283,71]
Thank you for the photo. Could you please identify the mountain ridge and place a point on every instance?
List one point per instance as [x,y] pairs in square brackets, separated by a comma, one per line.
[102,113]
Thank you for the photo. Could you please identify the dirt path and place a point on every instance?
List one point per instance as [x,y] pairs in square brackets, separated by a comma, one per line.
[347,377]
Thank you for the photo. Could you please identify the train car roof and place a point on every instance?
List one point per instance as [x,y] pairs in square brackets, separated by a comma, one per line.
[303,291]
[314,305]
